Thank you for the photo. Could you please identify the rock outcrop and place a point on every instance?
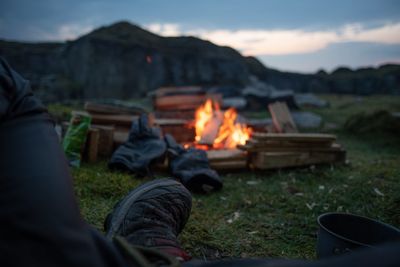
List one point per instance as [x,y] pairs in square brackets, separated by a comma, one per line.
[382,80]
[124,61]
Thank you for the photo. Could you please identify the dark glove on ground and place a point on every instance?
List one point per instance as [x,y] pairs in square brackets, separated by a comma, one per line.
[191,167]
[143,147]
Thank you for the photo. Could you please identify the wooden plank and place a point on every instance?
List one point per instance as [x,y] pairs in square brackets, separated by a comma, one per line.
[93,144]
[302,137]
[269,160]
[106,137]
[275,160]
[183,102]
[331,147]
[226,155]
[120,137]
[281,143]
[106,140]
[178,101]
[180,122]
[229,165]
[181,90]
[97,108]
[182,106]
[181,133]
[122,120]
[188,114]
[281,118]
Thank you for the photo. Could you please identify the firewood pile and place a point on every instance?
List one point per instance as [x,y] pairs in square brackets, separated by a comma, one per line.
[110,126]
[175,108]
[271,150]
[280,146]
[180,102]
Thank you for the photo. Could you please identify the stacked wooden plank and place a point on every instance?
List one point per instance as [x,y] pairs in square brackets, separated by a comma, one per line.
[227,159]
[117,120]
[180,102]
[112,107]
[100,141]
[178,128]
[121,118]
[219,160]
[271,150]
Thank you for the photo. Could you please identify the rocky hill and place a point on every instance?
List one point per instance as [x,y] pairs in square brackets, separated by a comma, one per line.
[124,61]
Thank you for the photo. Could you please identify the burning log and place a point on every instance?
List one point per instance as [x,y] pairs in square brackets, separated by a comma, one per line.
[219,129]
[211,129]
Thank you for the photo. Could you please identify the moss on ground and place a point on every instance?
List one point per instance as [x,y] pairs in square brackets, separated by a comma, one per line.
[273,214]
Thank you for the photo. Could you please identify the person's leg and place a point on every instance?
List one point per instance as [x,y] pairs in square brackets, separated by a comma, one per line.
[40,223]
[383,256]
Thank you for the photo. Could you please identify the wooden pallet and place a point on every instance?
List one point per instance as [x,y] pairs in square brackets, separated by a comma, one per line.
[272,150]
[276,160]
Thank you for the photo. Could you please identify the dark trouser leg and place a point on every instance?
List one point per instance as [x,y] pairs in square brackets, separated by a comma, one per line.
[40,224]
[383,256]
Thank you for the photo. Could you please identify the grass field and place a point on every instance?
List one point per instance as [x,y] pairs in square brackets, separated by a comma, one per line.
[273,214]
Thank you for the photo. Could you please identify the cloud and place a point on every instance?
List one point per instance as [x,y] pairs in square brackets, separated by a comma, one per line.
[167,29]
[285,42]
[63,32]
[71,31]
[386,34]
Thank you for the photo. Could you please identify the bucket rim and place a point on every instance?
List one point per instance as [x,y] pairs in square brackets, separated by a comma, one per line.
[352,215]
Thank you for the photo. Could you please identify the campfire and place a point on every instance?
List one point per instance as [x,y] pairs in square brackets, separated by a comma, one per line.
[219,129]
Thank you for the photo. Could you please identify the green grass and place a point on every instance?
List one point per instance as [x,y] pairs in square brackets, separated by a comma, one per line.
[276,211]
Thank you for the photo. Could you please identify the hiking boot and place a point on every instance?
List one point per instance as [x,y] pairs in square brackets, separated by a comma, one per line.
[152,215]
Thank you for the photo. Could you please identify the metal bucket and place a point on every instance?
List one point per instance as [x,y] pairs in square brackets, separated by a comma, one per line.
[341,233]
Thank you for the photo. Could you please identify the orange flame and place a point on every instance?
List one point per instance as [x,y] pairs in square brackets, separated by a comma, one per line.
[203,115]
[230,132]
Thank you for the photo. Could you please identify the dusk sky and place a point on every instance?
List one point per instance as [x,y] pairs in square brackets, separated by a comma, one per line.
[293,35]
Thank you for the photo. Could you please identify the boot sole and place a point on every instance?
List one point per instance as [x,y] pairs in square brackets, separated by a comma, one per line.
[119,214]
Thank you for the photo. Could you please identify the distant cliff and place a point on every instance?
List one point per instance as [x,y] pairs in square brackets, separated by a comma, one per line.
[382,80]
[124,61]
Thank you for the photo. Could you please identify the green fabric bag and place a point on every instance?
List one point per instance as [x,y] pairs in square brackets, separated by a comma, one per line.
[75,137]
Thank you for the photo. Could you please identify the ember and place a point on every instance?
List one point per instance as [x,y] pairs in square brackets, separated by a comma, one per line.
[219,129]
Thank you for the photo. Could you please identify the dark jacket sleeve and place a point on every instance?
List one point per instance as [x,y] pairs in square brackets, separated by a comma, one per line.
[16,97]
